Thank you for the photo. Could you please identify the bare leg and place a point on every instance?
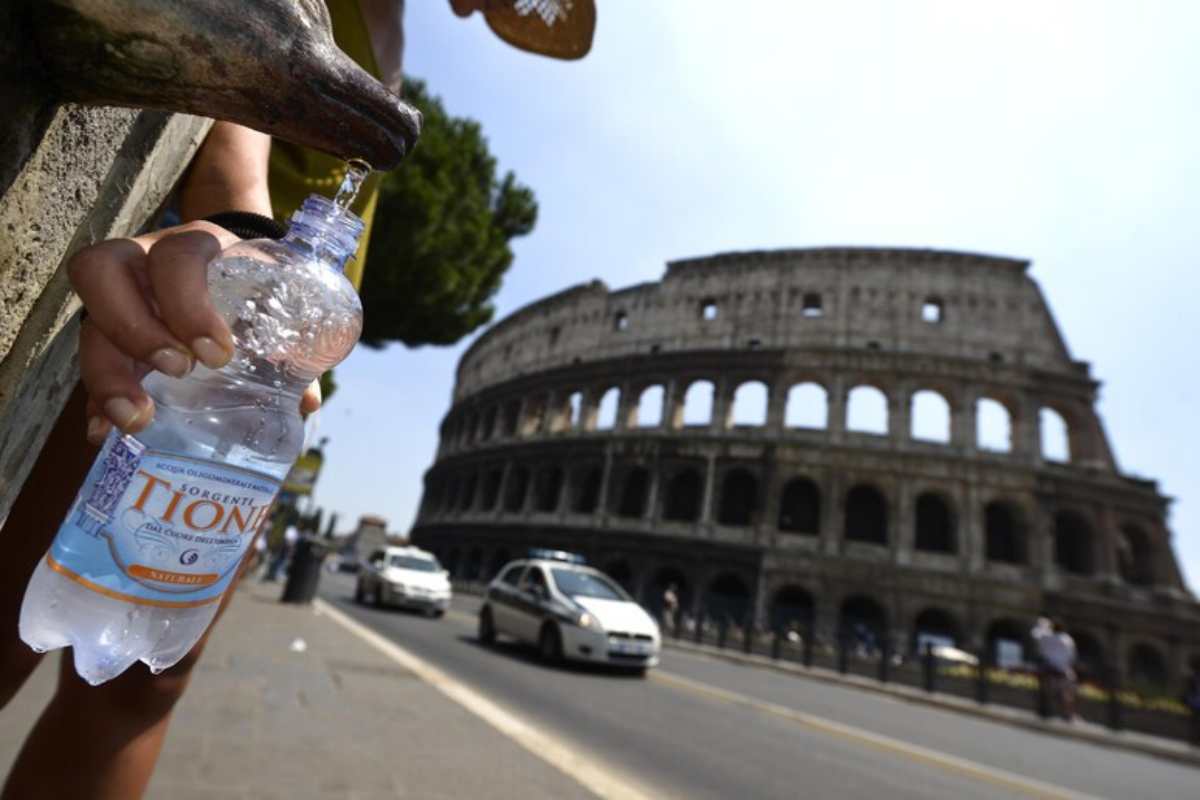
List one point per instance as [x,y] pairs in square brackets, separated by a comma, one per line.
[35,517]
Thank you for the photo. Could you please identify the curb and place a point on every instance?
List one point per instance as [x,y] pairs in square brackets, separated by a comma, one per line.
[1118,740]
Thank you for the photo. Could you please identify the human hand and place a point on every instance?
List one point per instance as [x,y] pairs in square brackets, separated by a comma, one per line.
[148,308]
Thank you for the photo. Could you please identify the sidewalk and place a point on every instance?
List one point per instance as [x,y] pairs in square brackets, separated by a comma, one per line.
[1158,747]
[337,721]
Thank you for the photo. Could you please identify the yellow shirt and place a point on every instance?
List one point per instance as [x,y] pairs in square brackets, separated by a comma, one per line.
[295,172]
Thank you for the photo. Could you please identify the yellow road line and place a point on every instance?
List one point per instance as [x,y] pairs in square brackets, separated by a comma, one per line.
[944,761]
[593,774]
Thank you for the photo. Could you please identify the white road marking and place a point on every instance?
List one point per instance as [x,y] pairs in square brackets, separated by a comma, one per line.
[593,774]
[914,752]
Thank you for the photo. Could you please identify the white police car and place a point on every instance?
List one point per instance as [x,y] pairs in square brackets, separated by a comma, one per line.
[570,611]
[408,577]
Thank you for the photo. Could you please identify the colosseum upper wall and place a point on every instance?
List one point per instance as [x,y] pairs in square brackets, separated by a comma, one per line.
[955,305]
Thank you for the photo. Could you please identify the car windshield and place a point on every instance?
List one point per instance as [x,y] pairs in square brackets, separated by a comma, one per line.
[411,562]
[576,583]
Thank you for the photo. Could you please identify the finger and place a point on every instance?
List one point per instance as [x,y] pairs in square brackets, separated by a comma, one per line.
[98,425]
[177,267]
[104,276]
[310,402]
[112,381]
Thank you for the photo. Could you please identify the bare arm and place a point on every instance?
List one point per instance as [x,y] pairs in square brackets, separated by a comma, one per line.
[229,173]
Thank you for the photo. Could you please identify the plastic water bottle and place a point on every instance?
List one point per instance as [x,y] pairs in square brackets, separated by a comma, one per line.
[160,526]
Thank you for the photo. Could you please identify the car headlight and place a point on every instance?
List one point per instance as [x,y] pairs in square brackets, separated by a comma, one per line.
[588,622]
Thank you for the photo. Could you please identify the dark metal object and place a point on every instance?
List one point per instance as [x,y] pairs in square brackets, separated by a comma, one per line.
[776,644]
[808,644]
[1116,719]
[981,676]
[699,627]
[748,635]
[722,632]
[269,64]
[885,658]
[929,668]
[304,573]
[842,651]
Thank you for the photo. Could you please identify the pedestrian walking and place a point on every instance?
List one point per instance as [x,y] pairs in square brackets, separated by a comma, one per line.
[670,606]
[1058,655]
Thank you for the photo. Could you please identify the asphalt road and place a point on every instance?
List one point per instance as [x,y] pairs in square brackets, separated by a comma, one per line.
[704,728]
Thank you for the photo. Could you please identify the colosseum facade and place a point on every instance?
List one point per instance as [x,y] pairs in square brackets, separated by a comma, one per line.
[829,435]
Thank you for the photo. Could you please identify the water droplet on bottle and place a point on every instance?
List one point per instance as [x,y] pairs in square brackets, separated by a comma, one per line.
[357,171]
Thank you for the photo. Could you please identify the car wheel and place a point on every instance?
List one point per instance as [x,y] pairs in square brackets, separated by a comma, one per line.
[378,597]
[550,644]
[637,672]
[487,628]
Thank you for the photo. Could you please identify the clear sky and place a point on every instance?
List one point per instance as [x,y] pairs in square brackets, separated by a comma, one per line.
[1064,133]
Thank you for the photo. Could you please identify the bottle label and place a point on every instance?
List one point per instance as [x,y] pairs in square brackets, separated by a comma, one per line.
[160,529]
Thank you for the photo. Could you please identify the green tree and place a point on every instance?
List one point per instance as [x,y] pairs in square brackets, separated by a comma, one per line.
[440,241]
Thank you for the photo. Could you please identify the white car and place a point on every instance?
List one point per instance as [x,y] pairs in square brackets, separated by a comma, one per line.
[569,611]
[408,577]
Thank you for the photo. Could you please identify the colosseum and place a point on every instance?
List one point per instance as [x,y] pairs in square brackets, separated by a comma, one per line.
[895,438]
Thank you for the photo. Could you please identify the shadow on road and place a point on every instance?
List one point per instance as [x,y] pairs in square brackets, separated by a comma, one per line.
[527,654]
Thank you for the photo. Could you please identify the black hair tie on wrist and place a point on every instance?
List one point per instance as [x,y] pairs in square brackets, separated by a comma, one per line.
[248,225]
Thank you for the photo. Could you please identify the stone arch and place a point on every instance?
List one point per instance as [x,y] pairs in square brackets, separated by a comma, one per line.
[807,406]
[1090,662]
[650,406]
[936,626]
[473,569]
[792,605]
[1135,556]
[867,410]
[510,418]
[930,417]
[727,598]
[739,497]
[1074,543]
[684,495]
[466,498]
[489,423]
[607,409]
[866,515]
[993,426]
[698,403]
[800,506]
[547,488]
[1006,639]
[1056,435]
[490,492]
[749,406]
[574,411]
[1005,538]
[496,563]
[1147,668]
[709,310]
[935,528]
[620,571]
[517,488]
[863,620]
[586,483]
[533,418]
[635,489]
[453,562]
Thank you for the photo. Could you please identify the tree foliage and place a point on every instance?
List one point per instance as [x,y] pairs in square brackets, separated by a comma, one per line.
[440,241]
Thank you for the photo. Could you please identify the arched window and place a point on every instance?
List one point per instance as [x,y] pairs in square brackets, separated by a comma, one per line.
[930,417]
[739,498]
[1006,642]
[935,525]
[1056,440]
[1004,535]
[512,417]
[807,406]
[800,507]
[1073,543]
[698,404]
[936,627]
[866,516]
[727,600]
[585,493]
[474,569]
[1135,556]
[933,310]
[749,404]
[547,489]
[575,410]
[993,426]
[1147,669]
[863,622]
[518,487]
[685,491]
[491,490]
[708,309]
[452,562]
[1089,662]
[792,608]
[620,321]
[489,424]
[606,415]
[812,307]
[650,407]
[466,498]
[867,411]
[632,501]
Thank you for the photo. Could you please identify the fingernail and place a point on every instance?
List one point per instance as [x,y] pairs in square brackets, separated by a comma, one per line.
[211,354]
[122,411]
[171,362]
[96,428]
